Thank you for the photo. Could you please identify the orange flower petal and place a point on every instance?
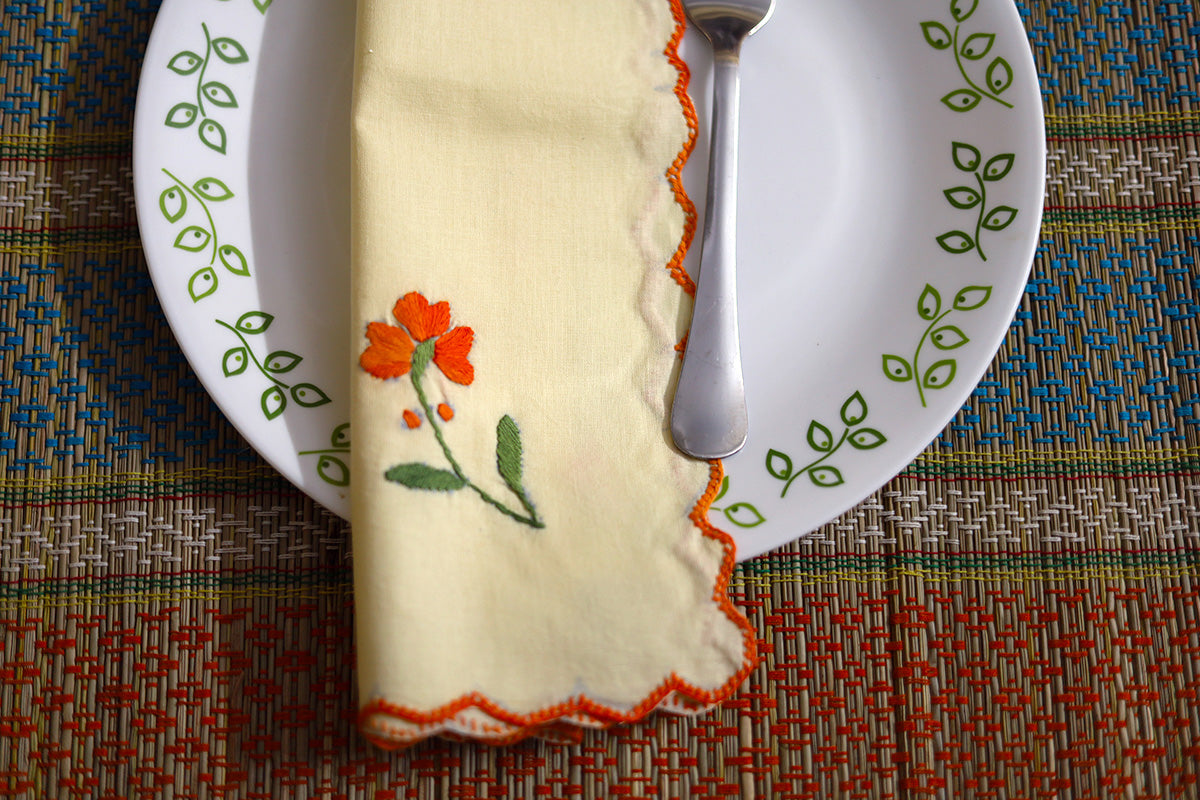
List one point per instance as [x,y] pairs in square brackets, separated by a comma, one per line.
[445,412]
[390,352]
[423,321]
[411,419]
[450,354]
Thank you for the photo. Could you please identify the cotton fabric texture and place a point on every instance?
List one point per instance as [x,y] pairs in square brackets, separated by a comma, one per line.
[531,555]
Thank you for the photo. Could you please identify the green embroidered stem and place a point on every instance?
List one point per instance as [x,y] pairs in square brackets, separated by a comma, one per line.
[813,464]
[980,216]
[916,368]
[532,520]
[963,71]
[212,226]
[250,352]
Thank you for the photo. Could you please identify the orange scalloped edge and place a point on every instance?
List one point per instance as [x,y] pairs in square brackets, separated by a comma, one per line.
[548,722]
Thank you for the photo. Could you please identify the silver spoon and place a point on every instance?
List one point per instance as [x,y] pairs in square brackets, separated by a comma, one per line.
[708,416]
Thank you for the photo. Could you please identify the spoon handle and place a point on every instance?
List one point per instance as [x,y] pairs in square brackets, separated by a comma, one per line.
[708,417]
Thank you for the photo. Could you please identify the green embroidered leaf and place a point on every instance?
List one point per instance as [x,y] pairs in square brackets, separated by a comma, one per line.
[937,35]
[262,5]
[308,395]
[854,410]
[212,189]
[867,439]
[509,453]
[966,157]
[956,242]
[962,99]
[173,203]
[254,322]
[341,435]
[181,115]
[723,488]
[977,45]
[897,368]
[423,476]
[185,63]
[202,284]
[273,402]
[234,362]
[972,297]
[213,135]
[961,10]
[929,304]
[819,437]
[826,477]
[219,94]
[744,515]
[999,75]
[193,238]
[779,465]
[996,168]
[949,337]
[233,259]
[999,218]
[333,470]
[281,361]
[962,197]
[229,51]
[939,375]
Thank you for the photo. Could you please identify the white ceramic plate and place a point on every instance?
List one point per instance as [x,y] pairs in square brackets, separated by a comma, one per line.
[892,164]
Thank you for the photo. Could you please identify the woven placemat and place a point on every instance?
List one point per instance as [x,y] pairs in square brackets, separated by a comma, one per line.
[1015,615]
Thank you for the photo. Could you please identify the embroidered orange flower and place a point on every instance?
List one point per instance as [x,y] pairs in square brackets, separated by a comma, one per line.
[425,335]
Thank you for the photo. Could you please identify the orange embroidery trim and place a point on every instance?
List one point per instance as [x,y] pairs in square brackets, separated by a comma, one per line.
[547,722]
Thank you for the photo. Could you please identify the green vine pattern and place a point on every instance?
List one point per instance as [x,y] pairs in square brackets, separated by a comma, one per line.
[967,158]
[945,338]
[974,48]
[821,439]
[238,359]
[261,5]
[743,515]
[331,464]
[208,93]
[174,202]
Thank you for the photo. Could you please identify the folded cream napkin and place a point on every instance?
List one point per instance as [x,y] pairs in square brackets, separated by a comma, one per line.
[531,556]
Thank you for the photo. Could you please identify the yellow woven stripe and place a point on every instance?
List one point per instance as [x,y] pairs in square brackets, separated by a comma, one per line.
[124,478]
[63,139]
[1025,456]
[1009,576]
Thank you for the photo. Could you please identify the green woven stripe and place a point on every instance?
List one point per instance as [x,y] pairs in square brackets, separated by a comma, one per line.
[1135,128]
[1121,216]
[1051,468]
[983,562]
[339,577]
[132,488]
[118,147]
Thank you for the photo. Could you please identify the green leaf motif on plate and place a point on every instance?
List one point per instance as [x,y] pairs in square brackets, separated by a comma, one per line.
[929,304]
[233,260]
[262,5]
[234,362]
[182,115]
[821,440]
[341,435]
[969,49]
[202,284]
[779,465]
[309,395]
[185,63]
[281,361]
[173,203]
[230,51]
[193,239]
[212,189]
[273,402]
[333,470]
[967,158]
[206,92]
[740,514]
[254,322]
[944,335]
